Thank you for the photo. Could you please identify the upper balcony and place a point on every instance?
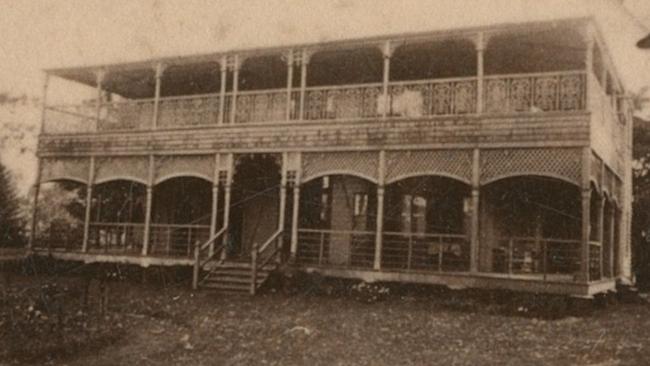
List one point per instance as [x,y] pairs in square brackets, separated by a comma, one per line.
[509,72]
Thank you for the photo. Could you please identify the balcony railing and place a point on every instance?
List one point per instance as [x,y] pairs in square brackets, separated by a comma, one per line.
[565,91]
[517,93]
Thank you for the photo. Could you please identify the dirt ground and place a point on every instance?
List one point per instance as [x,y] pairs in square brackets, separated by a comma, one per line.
[44,320]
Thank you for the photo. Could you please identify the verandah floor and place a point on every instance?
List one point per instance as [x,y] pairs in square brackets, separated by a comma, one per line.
[553,283]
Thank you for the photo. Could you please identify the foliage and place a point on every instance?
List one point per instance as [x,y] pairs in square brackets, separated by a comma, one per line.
[369,292]
[641,204]
[11,221]
[60,207]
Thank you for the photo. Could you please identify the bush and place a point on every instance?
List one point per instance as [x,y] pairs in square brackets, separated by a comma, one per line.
[11,221]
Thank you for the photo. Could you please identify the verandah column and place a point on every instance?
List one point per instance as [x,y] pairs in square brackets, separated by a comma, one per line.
[215,202]
[234,65]
[222,89]
[289,59]
[480,44]
[381,176]
[304,62]
[387,52]
[226,203]
[147,212]
[585,195]
[600,211]
[89,197]
[283,192]
[158,69]
[475,201]
[586,163]
[295,213]
[611,227]
[37,183]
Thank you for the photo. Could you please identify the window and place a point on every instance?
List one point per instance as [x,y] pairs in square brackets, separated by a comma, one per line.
[325,200]
[360,204]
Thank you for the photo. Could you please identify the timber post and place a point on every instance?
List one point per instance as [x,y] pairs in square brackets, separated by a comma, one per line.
[149,200]
[89,198]
[215,202]
[222,90]
[37,182]
[475,203]
[159,69]
[381,176]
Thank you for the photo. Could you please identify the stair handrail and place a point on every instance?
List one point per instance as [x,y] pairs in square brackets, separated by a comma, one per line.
[198,263]
[257,251]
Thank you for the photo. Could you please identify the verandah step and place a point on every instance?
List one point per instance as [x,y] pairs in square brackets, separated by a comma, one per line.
[235,279]
[227,287]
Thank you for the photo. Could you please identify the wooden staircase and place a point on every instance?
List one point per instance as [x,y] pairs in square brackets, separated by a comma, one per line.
[234,277]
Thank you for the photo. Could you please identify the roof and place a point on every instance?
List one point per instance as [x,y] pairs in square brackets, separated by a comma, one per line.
[257,24]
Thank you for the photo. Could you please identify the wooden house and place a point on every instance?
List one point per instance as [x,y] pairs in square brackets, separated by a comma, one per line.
[488,157]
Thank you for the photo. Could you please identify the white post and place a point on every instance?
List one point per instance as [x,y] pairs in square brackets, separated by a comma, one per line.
[289,84]
[283,192]
[474,238]
[222,89]
[37,183]
[381,174]
[215,202]
[147,214]
[159,69]
[586,217]
[387,53]
[600,210]
[89,196]
[304,62]
[226,203]
[480,50]
[294,217]
[235,89]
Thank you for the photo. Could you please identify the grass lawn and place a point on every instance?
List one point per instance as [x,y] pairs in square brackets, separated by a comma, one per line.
[45,321]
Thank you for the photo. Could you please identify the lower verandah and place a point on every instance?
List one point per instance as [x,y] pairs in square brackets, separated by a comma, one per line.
[530,226]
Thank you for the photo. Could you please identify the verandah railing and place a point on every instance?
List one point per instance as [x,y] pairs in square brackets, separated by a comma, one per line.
[425,252]
[336,247]
[543,256]
[177,240]
[174,240]
[515,93]
[115,237]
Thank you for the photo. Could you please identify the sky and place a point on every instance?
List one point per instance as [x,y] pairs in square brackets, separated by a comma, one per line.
[37,34]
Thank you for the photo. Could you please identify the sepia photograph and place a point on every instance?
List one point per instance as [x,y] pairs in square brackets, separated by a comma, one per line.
[325,182]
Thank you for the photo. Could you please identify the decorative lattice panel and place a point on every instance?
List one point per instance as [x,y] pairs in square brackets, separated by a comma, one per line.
[184,165]
[65,168]
[361,163]
[596,170]
[454,163]
[562,163]
[118,167]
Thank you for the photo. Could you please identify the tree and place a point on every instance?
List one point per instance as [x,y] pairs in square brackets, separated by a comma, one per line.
[11,220]
[641,190]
